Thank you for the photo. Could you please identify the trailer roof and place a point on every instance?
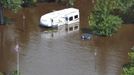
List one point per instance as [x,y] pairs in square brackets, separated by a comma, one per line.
[60,13]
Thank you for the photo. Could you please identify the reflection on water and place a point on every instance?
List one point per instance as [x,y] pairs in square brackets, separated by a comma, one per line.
[60,32]
[6,52]
[66,54]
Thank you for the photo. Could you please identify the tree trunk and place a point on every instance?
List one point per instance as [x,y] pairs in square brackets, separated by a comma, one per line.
[1,15]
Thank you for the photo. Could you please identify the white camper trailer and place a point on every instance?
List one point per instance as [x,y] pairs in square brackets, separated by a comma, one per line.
[61,17]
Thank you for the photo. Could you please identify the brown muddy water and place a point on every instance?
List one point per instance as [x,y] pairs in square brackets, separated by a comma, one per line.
[61,53]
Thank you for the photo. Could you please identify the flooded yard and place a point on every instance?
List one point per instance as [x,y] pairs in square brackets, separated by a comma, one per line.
[66,54]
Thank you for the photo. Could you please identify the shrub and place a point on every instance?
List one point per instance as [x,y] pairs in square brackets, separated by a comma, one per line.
[131,55]
[128,69]
[105,25]
[101,19]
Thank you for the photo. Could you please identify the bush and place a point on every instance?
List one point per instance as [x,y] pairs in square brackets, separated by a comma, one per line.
[101,19]
[128,69]
[131,55]
[105,25]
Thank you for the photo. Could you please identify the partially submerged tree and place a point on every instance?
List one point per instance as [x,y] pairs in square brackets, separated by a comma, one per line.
[102,20]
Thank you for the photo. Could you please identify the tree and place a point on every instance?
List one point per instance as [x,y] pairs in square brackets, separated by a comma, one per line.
[103,21]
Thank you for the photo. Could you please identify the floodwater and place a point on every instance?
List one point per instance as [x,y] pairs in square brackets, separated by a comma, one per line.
[61,53]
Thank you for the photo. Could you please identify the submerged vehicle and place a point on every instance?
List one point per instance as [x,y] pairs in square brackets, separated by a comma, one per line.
[60,17]
[86,36]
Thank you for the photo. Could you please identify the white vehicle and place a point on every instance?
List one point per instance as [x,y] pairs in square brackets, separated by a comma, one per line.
[61,17]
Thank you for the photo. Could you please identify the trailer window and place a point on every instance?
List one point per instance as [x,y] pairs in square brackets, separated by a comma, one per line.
[76,16]
[71,18]
[71,29]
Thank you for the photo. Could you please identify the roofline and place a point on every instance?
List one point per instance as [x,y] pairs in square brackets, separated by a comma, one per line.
[61,11]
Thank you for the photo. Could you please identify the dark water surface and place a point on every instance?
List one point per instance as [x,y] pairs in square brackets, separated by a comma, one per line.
[65,54]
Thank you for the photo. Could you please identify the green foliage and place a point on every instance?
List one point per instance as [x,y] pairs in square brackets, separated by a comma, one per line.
[29,2]
[131,55]
[128,17]
[1,73]
[15,5]
[70,3]
[12,4]
[101,20]
[132,48]
[128,69]
[124,5]
[15,73]
[104,24]
[110,5]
